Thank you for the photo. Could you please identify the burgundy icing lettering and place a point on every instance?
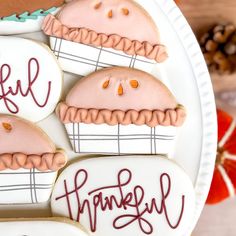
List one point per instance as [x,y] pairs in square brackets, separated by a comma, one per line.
[134,200]
[6,93]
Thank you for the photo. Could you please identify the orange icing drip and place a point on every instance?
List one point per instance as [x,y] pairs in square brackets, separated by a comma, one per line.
[110,14]
[120,90]
[125,11]
[7,127]
[98,5]
[106,84]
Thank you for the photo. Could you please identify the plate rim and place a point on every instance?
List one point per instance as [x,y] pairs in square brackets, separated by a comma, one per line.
[207,103]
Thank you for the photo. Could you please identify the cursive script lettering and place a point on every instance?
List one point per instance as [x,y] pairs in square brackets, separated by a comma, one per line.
[7,92]
[134,200]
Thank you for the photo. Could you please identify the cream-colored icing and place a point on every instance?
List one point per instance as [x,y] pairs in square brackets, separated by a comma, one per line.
[110,19]
[23,137]
[151,94]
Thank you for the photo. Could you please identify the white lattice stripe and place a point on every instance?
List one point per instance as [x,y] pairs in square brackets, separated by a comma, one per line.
[227,134]
[227,181]
[229,156]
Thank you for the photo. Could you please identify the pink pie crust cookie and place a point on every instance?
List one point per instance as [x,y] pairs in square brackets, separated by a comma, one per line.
[29,161]
[105,33]
[121,110]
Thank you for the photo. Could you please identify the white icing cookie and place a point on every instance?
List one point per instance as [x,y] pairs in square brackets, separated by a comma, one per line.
[45,227]
[30,79]
[139,195]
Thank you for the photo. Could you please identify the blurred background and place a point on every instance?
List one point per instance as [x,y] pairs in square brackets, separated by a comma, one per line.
[214,23]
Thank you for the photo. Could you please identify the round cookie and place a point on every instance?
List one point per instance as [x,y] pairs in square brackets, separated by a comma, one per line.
[39,227]
[30,79]
[22,16]
[138,195]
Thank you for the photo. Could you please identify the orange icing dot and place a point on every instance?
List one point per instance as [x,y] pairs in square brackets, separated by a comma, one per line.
[125,11]
[98,5]
[106,84]
[7,126]
[134,84]
[120,90]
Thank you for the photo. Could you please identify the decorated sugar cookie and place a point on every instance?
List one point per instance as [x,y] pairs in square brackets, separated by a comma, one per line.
[29,161]
[119,111]
[30,79]
[93,34]
[39,227]
[22,16]
[138,195]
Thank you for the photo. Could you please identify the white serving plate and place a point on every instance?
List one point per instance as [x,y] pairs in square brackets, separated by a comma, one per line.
[187,76]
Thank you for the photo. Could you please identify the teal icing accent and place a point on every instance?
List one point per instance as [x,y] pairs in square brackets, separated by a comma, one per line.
[26,16]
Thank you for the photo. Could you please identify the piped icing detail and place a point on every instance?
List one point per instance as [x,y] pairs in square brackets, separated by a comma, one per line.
[171,117]
[134,84]
[44,162]
[7,126]
[110,14]
[106,84]
[28,16]
[53,27]
[120,90]
[97,5]
[125,11]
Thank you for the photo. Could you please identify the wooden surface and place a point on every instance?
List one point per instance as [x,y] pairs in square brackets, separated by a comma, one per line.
[202,13]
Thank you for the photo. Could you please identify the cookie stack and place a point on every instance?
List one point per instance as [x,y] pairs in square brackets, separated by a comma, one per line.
[121,121]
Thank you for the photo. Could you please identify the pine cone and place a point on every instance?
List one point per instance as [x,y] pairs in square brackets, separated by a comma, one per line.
[219,48]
